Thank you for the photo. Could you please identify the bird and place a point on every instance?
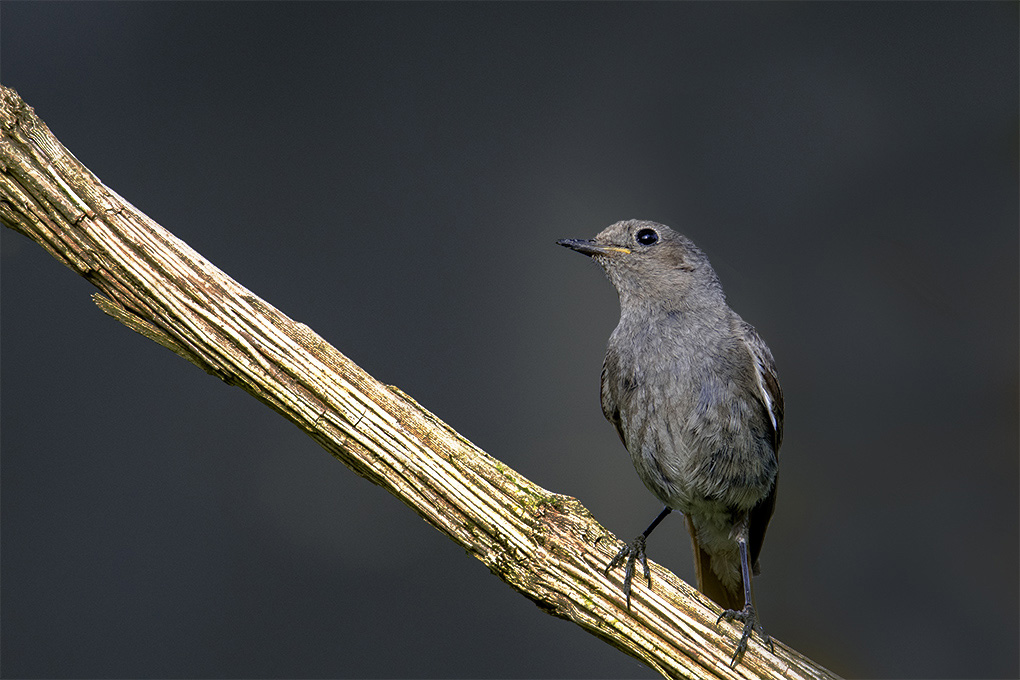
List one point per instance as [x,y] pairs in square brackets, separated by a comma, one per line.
[694,395]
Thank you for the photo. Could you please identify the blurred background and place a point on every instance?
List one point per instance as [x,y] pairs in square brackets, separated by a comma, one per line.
[396,176]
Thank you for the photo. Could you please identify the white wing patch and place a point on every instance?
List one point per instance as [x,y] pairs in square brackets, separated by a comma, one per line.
[759,374]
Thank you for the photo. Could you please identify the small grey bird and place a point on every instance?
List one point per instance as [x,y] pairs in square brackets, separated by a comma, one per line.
[693,393]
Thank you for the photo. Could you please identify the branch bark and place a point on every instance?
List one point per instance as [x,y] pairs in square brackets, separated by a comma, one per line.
[544,545]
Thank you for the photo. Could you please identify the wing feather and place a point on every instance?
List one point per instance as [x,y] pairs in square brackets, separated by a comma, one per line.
[767,381]
[771,397]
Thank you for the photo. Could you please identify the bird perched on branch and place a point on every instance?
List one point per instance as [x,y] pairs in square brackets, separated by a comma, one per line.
[693,393]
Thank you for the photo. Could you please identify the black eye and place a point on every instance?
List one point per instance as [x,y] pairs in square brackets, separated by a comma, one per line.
[646,237]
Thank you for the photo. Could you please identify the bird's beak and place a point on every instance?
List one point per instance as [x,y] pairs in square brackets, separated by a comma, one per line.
[591,248]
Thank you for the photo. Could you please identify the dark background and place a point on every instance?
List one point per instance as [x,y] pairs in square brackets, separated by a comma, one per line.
[396,176]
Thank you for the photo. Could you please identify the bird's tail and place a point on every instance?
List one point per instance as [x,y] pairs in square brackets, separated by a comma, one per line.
[727,597]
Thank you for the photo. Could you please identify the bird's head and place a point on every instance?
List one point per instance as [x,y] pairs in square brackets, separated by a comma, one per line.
[649,263]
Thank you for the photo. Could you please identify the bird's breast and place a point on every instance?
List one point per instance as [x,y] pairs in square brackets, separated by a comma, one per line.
[692,429]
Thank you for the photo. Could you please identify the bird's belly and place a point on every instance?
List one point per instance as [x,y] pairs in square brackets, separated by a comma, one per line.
[696,474]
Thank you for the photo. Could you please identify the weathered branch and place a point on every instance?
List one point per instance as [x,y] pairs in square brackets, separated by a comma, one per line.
[544,545]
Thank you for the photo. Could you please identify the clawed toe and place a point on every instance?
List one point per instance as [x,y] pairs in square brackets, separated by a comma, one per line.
[630,553]
[751,624]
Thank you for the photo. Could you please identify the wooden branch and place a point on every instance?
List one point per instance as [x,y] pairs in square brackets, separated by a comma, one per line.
[544,545]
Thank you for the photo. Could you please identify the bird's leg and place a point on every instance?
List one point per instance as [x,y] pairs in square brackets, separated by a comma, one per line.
[633,552]
[747,614]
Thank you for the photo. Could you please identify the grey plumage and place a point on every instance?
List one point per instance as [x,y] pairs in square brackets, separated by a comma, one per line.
[693,393]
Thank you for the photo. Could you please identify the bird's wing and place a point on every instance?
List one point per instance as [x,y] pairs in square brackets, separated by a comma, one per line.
[771,397]
[767,381]
[610,399]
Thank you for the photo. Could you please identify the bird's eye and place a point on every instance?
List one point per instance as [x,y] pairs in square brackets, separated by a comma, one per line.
[646,237]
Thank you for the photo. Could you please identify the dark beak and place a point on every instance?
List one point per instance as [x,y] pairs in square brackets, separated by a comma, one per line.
[590,248]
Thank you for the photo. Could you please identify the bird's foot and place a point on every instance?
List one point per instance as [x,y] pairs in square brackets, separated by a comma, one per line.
[631,553]
[751,624]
